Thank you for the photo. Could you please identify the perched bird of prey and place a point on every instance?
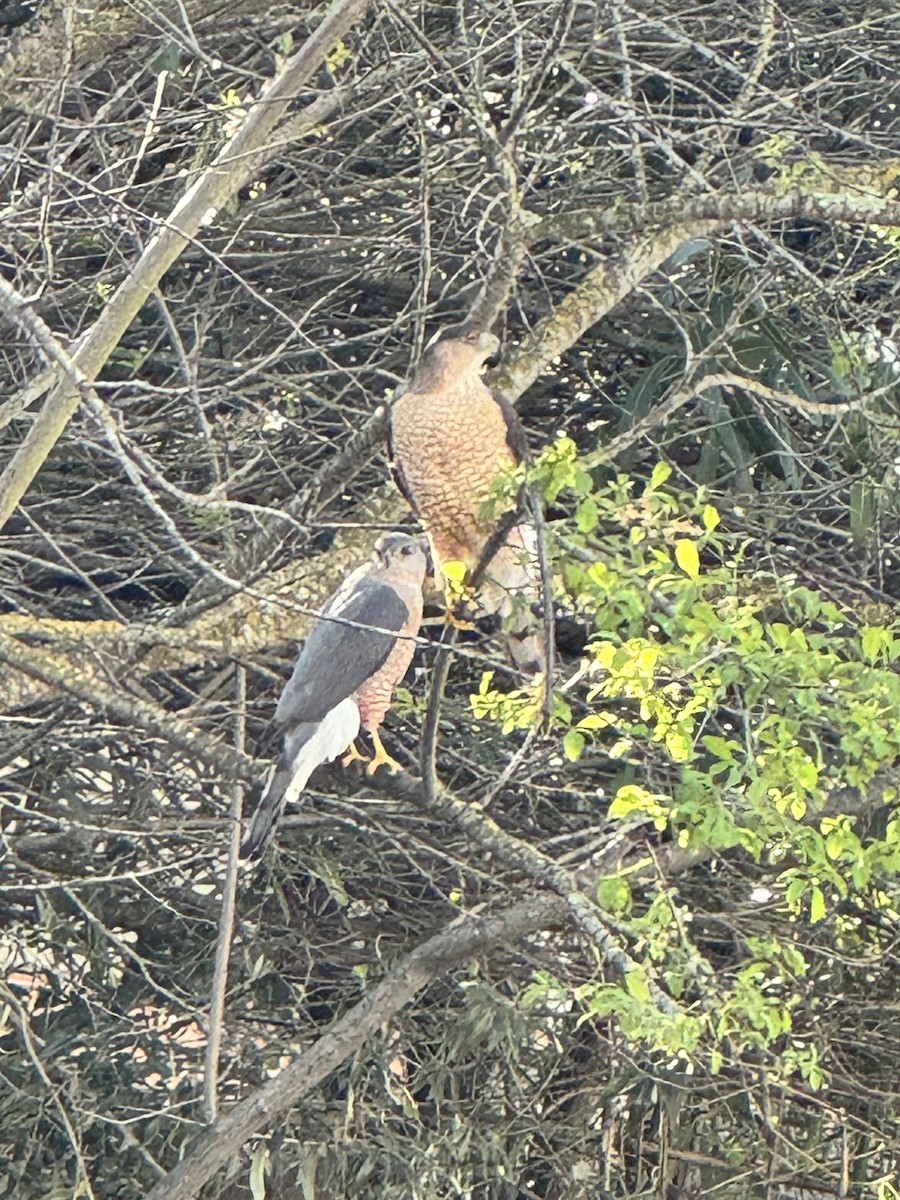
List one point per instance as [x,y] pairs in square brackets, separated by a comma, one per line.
[450,437]
[355,655]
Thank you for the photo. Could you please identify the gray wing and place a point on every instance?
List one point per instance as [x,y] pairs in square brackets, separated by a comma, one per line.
[515,431]
[337,659]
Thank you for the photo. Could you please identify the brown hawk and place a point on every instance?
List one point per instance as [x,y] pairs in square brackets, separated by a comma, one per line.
[355,655]
[450,436]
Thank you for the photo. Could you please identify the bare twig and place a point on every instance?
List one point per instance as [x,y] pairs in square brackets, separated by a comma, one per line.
[541,869]
[53,1090]
[234,165]
[226,916]
[58,673]
[721,379]
[430,725]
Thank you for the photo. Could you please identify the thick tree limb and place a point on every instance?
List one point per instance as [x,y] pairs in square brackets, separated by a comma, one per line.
[602,288]
[539,868]
[469,935]
[59,676]
[853,204]
[277,608]
[639,255]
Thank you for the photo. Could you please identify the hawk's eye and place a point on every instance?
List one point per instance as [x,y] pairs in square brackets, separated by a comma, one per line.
[407,550]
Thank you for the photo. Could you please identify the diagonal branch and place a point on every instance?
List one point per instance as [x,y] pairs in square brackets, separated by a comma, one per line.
[58,673]
[235,164]
[642,252]
[467,936]
[601,289]
[539,868]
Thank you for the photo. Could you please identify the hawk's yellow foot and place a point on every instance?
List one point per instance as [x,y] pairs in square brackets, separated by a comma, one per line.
[382,758]
[353,755]
[459,595]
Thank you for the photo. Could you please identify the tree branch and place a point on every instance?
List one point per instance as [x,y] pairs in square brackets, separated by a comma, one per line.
[621,270]
[599,291]
[238,160]
[465,937]
[277,609]
[59,675]
[226,917]
[538,867]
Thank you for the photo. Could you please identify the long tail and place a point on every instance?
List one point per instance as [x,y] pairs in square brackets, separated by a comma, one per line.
[306,747]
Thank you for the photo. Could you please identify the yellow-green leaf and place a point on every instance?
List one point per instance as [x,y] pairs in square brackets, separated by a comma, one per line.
[873,638]
[637,985]
[687,557]
[614,894]
[661,473]
[336,59]
[586,515]
[711,517]
[454,570]
[573,744]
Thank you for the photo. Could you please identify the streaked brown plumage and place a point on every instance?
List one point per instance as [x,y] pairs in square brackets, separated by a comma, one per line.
[451,436]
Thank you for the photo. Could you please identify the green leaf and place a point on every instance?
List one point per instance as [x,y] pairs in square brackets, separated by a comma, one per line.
[614,894]
[587,515]
[722,747]
[806,774]
[687,557]
[583,484]
[485,684]
[816,905]
[334,61]
[661,473]
[780,634]
[873,638]
[637,986]
[573,744]
[633,798]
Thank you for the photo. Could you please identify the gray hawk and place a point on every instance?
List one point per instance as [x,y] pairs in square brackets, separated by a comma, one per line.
[355,655]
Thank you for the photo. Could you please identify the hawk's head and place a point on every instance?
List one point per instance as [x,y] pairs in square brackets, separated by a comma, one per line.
[457,350]
[401,553]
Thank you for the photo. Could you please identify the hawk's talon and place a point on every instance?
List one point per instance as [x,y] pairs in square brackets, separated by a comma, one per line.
[450,618]
[382,758]
[353,755]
